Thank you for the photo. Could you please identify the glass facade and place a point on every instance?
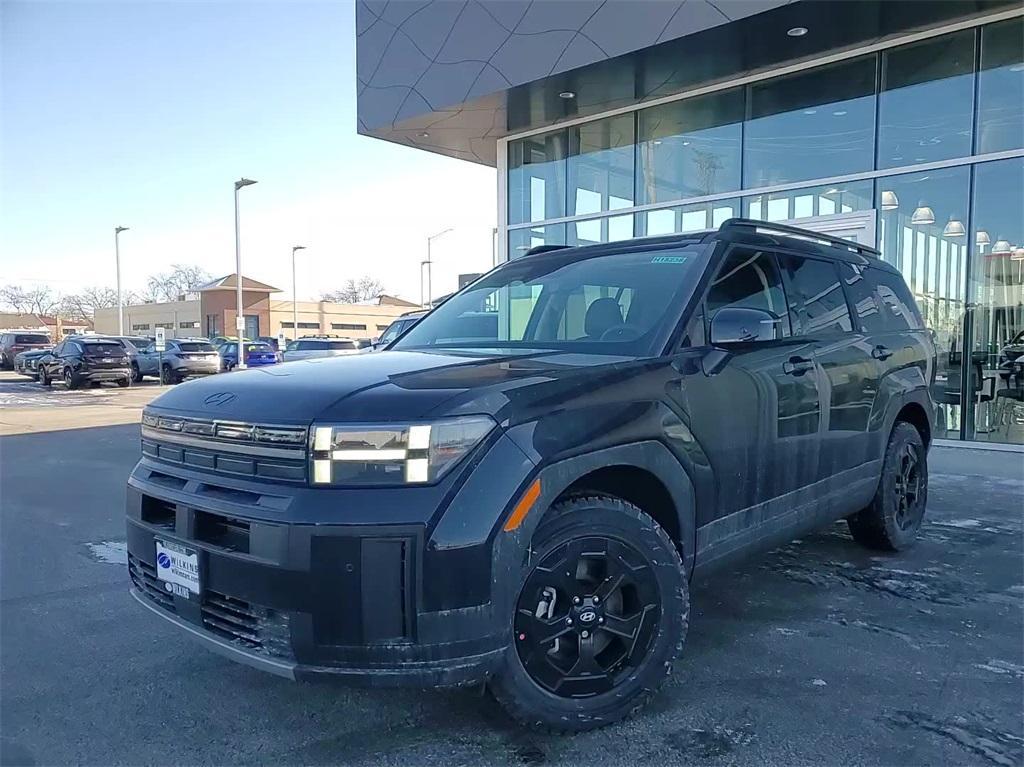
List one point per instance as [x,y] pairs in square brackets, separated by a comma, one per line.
[915,126]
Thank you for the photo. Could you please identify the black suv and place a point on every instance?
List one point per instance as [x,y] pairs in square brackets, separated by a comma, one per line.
[86,360]
[520,488]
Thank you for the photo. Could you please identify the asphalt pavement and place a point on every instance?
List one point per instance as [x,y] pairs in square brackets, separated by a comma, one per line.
[819,653]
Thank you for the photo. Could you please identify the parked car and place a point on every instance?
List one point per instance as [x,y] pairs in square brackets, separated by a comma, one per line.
[257,354]
[11,344]
[88,359]
[396,328]
[25,362]
[307,348]
[525,502]
[181,358]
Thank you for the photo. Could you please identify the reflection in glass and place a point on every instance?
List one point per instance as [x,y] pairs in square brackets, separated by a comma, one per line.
[997,290]
[934,266]
[521,240]
[536,177]
[600,165]
[849,197]
[926,106]
[1001,87]
[810,124]
[695,217]
[690,148]
[593,231]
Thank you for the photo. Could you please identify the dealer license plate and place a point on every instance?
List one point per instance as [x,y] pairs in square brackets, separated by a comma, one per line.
[178,568]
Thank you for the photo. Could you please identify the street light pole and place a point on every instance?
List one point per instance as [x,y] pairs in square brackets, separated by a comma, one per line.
[295,296]
[239,317]
[430,264]
[117,260]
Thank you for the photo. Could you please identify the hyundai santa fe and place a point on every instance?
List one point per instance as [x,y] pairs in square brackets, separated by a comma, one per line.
[518,490]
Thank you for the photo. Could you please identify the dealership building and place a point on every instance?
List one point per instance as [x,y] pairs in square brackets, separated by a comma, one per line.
[894,123]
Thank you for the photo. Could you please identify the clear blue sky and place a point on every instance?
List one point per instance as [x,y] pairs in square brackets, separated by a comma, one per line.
[144,113]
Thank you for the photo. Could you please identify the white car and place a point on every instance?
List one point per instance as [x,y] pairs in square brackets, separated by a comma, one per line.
[308,348]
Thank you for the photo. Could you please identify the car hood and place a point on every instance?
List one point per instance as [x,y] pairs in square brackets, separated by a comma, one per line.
[387,386]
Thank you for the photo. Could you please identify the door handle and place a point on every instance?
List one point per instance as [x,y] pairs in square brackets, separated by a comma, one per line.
[797,366]
[881,352]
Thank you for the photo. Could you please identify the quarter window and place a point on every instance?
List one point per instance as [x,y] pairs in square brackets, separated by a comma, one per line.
[816,297]
[749,279]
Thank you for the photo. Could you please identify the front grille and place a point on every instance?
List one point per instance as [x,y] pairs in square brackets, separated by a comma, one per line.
[258,451]
[254,627]
[144,578]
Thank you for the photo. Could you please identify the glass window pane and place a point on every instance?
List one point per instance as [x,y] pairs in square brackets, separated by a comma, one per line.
[536,177]
[521,240]
[852,196]
[690,148]
[749,279]
[816,298]
[927,101]
[997,289]
[913,208]
[600,165]
[1001,87]
[593,231]
[695,217]
[814,123]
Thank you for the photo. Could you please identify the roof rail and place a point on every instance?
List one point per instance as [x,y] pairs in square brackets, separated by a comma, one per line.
[544,249]
[839,242]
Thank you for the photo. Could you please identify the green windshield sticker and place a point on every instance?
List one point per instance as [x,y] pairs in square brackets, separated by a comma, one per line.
[668,259]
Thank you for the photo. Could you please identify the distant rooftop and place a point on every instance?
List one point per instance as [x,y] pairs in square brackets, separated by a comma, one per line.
[230,282]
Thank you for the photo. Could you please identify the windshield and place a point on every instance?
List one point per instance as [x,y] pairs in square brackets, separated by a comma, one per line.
[619,303]
[258,348]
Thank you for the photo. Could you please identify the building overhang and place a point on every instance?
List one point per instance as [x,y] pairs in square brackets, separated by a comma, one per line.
[452,78]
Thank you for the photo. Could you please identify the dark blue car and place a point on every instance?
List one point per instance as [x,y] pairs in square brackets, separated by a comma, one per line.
[257,353]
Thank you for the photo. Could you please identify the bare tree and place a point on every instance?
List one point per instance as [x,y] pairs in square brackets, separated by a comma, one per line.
[38,300]
[170,286]
[363,289]
[83,305]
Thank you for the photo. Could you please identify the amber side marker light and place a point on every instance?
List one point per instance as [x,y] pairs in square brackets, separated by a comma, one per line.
[523,507]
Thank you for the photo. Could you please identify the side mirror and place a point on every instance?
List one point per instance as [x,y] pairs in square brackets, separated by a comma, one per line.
[737,325]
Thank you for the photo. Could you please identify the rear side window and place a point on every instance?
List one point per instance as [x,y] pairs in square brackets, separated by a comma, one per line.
[816,297]
[749,279]
[881,299]
[31,339]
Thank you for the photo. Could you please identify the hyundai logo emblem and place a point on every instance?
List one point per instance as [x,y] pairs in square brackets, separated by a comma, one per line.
[587,616]
[163,560]
[220,399]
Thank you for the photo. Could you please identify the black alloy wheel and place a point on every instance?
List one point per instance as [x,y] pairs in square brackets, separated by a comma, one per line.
[69,379]
[907,487]
[599,615]
[136,375]
[586,616]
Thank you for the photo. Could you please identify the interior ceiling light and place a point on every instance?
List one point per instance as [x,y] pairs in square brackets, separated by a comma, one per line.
[982,238]
[954,228]
[797,31]
[567,95]
[1001,248]
[922,215]
[889,200]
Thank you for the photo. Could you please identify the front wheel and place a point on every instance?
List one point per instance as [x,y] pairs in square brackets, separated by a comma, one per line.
[601,614]
[892,521]
[124,383]
[44,379]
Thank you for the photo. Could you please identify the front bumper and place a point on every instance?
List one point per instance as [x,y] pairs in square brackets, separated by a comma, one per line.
[288,589]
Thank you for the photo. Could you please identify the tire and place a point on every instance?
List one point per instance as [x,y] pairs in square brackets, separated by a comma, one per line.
[136,375]
[69,379]
[893,519]
[44,379]
[632,642]
[167,376]
[124,383]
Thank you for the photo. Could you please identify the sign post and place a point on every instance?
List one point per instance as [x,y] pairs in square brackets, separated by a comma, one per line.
[160,344]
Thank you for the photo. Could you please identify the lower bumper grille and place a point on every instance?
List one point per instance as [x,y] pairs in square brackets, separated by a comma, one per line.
[251,626]
[145,580]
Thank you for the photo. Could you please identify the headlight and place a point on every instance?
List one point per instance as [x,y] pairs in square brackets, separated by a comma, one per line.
[393,454]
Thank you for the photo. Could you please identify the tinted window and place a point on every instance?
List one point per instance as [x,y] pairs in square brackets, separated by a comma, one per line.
[258,348]
[749,279]
[898,300]
[618,303]
[862,288]
[103,349]
[816,297]
[31,339]
[341,345]
[195,346]
[391,333]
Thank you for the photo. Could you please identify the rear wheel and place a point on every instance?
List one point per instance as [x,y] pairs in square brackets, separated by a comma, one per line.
[69,379]
[136,375]
[894,517]
[600,616]
[167,375]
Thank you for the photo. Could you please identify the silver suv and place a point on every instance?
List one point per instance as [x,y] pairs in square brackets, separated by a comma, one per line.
[182,357]
[307,348]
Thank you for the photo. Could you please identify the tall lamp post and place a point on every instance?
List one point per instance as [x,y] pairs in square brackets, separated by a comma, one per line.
[239,317]
[429,263]
[295,296]
[117,260]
